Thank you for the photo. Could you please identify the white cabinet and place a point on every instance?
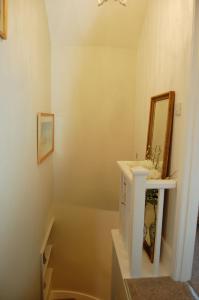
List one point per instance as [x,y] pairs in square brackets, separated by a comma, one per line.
[134,183]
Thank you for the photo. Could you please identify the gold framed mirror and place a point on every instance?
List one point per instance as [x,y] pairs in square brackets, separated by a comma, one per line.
[3,19]
[160,131]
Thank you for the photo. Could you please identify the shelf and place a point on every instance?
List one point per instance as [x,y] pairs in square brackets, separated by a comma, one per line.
[161,184]
[47,256]
[47,281]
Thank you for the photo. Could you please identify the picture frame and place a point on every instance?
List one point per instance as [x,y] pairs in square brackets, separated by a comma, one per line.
[150,219]
[3,18]
[45,136]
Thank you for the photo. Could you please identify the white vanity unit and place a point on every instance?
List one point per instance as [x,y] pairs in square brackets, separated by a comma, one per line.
[136,178]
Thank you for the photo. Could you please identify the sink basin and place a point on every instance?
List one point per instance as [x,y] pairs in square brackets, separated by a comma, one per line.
[147,164]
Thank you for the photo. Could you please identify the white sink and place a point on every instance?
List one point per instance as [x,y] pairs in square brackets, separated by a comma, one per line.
[147,164]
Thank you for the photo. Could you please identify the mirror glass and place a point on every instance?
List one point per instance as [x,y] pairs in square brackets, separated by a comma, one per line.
[160,127]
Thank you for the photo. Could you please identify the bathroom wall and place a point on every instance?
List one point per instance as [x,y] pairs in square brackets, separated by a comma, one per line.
[92,92]
[25,187]
[163,62]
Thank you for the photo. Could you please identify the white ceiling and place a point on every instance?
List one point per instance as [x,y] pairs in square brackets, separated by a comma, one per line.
[83,23]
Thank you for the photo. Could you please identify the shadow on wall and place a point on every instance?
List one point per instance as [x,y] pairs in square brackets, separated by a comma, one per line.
[93,91]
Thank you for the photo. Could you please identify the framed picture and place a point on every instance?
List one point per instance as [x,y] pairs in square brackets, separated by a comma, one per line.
[45,136]
[3,19]
[150,222]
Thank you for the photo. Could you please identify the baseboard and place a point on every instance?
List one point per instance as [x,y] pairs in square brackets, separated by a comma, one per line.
[59,294]
[195,296]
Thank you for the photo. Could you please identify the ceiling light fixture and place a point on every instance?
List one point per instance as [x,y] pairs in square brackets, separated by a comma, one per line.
[122,2]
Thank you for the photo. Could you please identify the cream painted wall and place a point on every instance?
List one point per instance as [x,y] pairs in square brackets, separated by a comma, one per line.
[163,63]
[92,92]
[25,187]
[84,23]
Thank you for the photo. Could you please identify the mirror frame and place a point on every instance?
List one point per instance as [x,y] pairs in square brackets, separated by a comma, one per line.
[167,146]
